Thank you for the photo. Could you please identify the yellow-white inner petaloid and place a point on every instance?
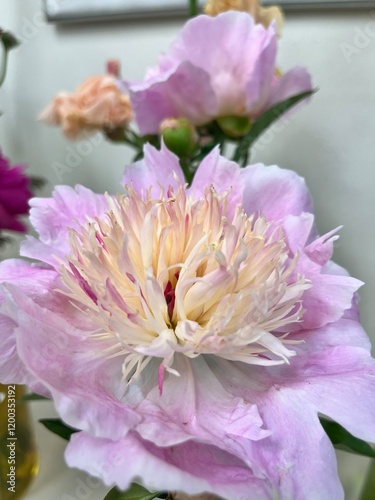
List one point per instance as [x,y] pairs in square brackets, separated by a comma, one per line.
[174,274]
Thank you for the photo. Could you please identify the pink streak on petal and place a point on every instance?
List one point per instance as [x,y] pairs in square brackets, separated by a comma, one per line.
[161,372]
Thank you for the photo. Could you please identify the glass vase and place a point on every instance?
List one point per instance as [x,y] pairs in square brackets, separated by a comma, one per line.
[19,459]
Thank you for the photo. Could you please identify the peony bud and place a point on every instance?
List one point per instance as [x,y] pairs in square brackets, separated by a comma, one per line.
[113,68]
[234,126]
[179,136]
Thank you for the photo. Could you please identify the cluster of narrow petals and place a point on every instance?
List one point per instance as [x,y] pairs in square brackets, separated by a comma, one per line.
[175,274]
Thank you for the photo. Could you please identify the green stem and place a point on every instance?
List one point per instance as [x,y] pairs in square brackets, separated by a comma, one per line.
[135,138]
[4,65]
[120,135]
[369,487]
[241,157]
[186,168]
[193,8]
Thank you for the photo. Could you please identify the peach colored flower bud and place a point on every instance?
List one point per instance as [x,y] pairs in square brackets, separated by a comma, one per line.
[262,15]
[113,67]
[96,104]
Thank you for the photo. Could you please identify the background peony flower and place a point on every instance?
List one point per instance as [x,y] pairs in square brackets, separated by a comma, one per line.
[193,344]
[218,66]
[14,195]
[97,103]
[261,15]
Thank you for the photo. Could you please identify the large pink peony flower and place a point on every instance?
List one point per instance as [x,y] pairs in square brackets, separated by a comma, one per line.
[219,66]
[14,195]
[192,335]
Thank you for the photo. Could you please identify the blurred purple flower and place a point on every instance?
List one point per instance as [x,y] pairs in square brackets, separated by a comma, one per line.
[218,66]
[191,335]
[14,195]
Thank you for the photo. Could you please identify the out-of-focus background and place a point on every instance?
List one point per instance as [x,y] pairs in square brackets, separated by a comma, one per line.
[331,142]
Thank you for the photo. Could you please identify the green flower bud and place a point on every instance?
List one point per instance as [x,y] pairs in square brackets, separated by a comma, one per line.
[179,136]
[234,126]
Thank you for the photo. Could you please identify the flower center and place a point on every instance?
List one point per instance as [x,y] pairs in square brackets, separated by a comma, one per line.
[170,298]
[174,274]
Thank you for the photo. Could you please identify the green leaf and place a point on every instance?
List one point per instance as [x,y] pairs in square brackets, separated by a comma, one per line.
[342,439]
[58,427]
[135,492]
[33,397]
[264,121]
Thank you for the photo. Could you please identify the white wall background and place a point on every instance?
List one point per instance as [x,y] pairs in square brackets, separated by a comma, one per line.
[331,142]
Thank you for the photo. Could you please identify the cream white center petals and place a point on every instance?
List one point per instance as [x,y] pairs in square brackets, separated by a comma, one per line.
[173,274]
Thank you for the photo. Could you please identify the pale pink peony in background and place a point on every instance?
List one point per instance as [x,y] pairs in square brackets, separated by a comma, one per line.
[96,104]
[191,335]
[218,66]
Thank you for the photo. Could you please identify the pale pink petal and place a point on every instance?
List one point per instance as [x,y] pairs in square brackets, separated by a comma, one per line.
[233,45]
[12,370]
[321,249]
[56,348]
[224,175]
[274,192]
[30,277]
[292,83]
[183,93]
[344,332]
[298,231]
[157,169]
[331,292]
[220,38]
[218,66]
[184,411]
[353,312]
[333,374]
[190,467]
[335,366]
[35,281]
[298,458]
[327,299]
[52,218]
[259,86]
[340,374]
